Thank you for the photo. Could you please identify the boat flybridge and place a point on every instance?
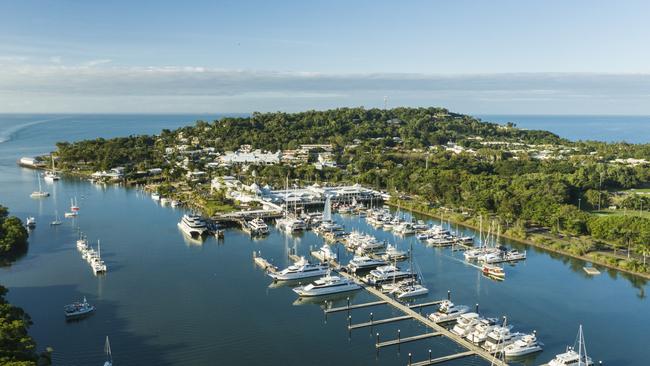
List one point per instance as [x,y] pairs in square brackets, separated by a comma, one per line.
[301,269]
[481,330]
[571,357]
[193,226]
[466,323]
[327,285]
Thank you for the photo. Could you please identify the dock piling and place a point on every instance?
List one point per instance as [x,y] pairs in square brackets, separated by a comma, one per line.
[410,358]
[449,295]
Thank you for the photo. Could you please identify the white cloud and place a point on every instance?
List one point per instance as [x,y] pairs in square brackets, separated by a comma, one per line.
[96,86]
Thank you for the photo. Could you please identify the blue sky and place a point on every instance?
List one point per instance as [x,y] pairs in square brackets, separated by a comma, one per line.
[238,56]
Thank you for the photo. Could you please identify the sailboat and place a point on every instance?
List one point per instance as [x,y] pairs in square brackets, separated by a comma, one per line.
[571,357]
[56,221]
[109,356]
[40,193]
[51,175]
[73,205]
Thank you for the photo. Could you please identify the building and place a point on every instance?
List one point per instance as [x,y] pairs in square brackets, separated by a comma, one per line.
[256,157]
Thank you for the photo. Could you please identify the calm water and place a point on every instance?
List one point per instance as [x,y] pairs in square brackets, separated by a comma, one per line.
[632,129]
[167,301]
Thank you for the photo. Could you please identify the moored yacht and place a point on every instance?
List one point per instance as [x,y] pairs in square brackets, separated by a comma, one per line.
[524,346]
[324,254]
[500,337]
[327,285]
[393,254]
[257,226]
[448,311]
[364,263]
[481,330]
[386,274]
[466,323]
[193,226]
[40,193]
[78,309]
[30,222]
[301,269]
[572,358]
[410,290]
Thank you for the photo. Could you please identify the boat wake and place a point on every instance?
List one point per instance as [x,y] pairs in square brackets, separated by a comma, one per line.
[8,134]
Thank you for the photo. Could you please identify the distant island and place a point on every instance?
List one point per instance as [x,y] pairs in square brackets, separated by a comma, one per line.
[587,199]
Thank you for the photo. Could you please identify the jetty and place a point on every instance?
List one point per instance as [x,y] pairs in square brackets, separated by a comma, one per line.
[409,312]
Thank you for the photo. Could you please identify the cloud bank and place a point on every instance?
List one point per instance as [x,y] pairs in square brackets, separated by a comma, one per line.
[98,86]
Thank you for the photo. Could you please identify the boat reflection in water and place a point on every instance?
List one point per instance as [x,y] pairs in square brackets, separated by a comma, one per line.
[326,301]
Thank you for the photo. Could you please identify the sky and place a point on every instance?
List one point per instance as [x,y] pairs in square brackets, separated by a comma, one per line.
[480,57]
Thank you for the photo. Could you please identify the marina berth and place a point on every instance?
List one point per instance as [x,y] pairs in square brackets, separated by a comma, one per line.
[301,269]
[256,227]
[193,226]
[327,285]
[392,286]
[410,290]
[393,254]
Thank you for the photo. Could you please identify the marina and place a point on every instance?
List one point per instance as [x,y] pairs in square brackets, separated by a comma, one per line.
[51,275]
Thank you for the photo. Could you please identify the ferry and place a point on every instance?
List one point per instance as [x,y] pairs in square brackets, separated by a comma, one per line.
[327,285]
[301,269]
[193,226]
[78,309]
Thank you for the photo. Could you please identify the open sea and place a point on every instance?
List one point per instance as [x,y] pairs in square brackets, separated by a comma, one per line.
[169,301]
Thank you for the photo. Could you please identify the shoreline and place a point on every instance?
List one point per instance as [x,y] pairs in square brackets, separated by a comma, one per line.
[529,242]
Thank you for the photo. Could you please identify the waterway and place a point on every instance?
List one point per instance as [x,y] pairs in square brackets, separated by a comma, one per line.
[170,301]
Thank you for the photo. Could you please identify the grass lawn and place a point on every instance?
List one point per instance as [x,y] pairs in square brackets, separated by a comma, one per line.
[622,212]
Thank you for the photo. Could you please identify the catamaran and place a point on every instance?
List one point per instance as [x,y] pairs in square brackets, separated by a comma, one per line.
[327,285]
[193,226]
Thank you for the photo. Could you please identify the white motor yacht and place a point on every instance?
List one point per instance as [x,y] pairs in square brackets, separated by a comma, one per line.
[524,346]
[324,254]
[290,225]
[393,254]
[327,285]
[386,273]
[30,222]
[404,228]
[499,338]
[448,311]
[361,263]
[515,255]
[466,323]
[193,226]
[301,269]
[481,330]
[571,357]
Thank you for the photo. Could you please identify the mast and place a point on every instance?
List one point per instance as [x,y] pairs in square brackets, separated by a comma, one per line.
[107,350]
